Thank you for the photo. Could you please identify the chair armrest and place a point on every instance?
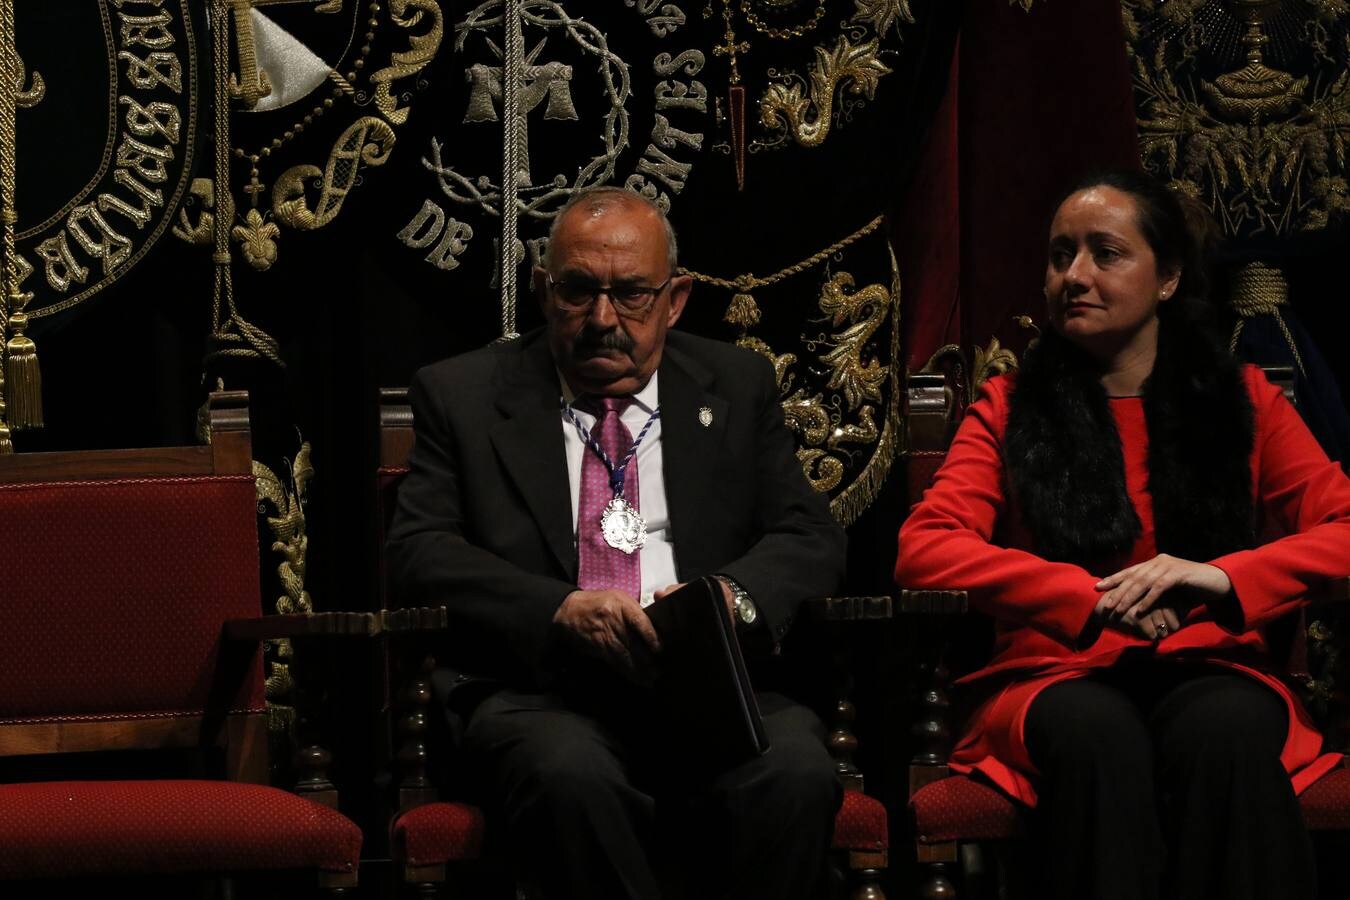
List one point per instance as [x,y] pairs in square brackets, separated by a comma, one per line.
[943,603]
[338,624]
[850,609]
[299,625]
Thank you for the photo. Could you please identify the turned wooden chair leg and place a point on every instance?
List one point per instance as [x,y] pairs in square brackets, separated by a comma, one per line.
[866,884]
[936,886]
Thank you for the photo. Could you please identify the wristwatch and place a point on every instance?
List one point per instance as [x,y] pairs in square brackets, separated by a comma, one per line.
[745,609]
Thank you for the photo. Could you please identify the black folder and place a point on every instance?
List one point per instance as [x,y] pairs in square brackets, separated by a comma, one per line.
[705,704]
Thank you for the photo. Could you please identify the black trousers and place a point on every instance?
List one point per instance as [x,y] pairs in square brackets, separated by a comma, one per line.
[1164,780]
[590,809]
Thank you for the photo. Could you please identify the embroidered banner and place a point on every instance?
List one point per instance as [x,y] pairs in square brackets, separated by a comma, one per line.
[106,138]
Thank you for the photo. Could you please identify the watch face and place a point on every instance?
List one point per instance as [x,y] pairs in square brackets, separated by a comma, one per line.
[746,610]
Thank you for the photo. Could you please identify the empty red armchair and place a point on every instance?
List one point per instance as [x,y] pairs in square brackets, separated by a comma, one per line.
[119,571]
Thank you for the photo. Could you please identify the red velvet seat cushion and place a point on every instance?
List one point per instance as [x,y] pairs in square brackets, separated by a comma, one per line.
[437,833]
[860,823]
[961,809]
[1326,804]
[71,828]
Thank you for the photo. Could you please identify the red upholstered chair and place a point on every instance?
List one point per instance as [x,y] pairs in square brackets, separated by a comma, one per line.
[430,835]
[952,814]
[119,570]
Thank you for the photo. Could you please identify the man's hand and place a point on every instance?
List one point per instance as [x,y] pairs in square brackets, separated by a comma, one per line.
[729,597]
[611,626]
[1137,592]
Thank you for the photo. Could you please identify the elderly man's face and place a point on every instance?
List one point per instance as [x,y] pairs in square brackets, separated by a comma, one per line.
[611,345]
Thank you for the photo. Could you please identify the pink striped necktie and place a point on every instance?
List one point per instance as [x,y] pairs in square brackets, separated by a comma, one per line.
[600,566]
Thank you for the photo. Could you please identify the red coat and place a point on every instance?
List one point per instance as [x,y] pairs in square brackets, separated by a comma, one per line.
[965,534]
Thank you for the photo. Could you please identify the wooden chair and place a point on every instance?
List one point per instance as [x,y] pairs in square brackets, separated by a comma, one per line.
[445,833]
[120,572]
[952,814]
[429,836]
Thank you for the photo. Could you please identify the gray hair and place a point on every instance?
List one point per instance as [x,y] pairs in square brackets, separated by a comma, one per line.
[605,197]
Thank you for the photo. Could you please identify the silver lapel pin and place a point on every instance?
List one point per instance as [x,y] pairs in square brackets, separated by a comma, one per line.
[705,416]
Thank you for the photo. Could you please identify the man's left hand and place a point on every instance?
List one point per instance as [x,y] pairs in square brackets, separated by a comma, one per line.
[1136,590]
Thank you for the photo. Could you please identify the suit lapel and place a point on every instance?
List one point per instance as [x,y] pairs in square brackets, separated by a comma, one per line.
[529,443]
[690,452]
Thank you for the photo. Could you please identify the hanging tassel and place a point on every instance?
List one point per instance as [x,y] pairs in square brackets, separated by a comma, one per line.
[23,378]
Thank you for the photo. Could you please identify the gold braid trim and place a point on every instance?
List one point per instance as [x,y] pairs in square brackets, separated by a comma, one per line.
[1260,290]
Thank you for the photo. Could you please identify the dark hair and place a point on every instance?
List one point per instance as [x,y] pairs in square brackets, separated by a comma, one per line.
[1178,229]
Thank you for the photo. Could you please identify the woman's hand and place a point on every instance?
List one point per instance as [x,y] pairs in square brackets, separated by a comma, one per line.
[1135,591]
[1154,625]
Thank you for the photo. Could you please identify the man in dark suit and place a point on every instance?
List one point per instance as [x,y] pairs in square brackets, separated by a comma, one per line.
[558,482]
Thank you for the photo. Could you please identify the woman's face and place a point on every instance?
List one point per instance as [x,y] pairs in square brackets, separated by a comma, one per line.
[1101,280]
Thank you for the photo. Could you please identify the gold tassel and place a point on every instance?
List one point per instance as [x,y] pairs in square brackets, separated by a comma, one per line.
[743,312]
[23,377]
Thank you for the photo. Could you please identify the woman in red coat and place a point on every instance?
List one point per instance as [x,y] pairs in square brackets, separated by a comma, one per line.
[1133,509]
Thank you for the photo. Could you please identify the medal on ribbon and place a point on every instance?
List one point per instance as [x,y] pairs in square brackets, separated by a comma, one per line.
[621,524]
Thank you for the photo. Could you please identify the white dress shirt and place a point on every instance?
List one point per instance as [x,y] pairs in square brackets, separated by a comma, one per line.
[658,554]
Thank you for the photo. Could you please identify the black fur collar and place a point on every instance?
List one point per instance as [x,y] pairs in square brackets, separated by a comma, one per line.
[1067,472]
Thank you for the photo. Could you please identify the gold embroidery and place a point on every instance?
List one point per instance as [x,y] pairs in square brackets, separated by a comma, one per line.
[405,64]
[866,309]
[202,197]
[288,499]
[882,14]
[367,140]
[258,240]
[1263,148]
[37,89]
[857,67]
[859,403]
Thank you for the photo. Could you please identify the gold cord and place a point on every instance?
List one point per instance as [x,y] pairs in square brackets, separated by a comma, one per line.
[786,33]
[749,282]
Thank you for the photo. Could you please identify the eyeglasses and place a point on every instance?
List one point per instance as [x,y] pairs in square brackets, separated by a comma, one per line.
[629,300]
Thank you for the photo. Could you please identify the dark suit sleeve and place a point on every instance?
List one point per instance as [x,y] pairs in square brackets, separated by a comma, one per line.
[500,614]
[800,549]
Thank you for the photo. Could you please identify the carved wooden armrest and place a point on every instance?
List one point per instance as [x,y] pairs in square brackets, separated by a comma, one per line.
[850,609]
[337,624]
[322,642]
[941,603]
[299,625]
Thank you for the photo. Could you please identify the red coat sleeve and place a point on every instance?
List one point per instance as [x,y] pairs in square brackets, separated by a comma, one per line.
[945,544]
[1306,497]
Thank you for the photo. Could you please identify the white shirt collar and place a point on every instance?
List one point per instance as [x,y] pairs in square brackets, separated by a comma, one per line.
[647,398]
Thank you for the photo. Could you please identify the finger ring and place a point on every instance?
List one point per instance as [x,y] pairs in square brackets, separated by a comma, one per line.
[1162,629]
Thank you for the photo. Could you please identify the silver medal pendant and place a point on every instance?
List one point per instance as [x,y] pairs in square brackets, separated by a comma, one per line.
[623,526]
